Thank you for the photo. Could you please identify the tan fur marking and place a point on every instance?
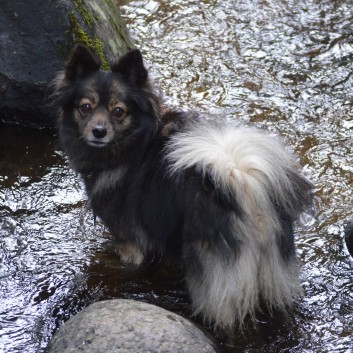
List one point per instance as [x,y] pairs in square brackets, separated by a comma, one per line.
[114,103]
[125,124]
[93,101]
[168,128]
[130,253]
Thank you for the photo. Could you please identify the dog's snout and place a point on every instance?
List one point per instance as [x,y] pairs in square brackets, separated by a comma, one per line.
[99,132]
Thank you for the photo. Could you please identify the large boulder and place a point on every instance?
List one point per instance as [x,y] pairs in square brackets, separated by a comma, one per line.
[123,326]
[35,39]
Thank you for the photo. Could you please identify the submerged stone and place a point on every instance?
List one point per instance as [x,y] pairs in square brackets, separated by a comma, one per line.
[129,326]
[35,40]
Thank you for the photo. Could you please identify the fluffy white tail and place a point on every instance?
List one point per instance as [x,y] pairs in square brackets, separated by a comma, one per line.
[256,170]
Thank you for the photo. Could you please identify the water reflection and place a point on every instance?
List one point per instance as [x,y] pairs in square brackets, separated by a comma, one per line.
[285,66]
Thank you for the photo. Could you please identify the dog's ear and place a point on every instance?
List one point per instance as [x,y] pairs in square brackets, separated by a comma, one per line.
[131,68]
[82,62]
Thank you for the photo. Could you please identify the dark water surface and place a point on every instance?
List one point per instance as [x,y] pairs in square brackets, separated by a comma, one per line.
[285,66]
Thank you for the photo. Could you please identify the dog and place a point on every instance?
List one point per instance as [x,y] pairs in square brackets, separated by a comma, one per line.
[169,184]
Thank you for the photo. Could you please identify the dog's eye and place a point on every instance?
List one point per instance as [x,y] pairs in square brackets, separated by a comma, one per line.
[85,108]
[118,112]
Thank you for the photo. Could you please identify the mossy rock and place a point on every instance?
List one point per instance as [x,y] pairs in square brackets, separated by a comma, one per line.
[35,39]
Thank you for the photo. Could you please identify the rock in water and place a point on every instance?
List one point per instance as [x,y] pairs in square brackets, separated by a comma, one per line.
[35,39]
[349,236]
[123,326]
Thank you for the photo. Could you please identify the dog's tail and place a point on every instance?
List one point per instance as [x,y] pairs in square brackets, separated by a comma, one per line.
[238,246]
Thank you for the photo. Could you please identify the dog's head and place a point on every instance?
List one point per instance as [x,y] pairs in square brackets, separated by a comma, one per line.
[106,108]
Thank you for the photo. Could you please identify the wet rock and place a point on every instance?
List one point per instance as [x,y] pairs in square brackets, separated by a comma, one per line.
[349,236]
[129,326]
[36,37]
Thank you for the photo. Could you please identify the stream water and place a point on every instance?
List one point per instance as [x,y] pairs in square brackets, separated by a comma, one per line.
[285,66]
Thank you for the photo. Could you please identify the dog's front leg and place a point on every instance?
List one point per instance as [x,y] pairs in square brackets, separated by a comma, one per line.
[130,253]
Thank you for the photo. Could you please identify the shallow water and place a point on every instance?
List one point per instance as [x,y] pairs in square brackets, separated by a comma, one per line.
[285,66]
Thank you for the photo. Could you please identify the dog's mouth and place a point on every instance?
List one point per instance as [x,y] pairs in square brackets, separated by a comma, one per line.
[96,143]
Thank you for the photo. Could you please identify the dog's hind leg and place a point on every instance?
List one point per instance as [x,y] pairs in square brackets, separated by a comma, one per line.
[229,281]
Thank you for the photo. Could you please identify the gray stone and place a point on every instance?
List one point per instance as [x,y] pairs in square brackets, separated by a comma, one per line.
[131,327]
[35,39]
[128,326]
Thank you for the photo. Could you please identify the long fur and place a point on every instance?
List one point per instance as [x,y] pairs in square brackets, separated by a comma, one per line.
[170,184]
[254,169]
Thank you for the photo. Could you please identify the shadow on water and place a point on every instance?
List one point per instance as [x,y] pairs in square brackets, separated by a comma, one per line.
[285,66]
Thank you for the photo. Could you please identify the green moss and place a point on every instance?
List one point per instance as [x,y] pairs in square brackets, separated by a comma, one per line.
[84,13]
[82,24]
[81,37]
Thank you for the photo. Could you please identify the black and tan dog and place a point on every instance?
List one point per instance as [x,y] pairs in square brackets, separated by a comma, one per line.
[220,199]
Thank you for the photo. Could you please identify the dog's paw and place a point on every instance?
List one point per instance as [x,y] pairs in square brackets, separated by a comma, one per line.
[130,253]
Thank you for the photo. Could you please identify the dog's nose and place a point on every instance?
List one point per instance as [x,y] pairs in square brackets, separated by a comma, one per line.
[99,132]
